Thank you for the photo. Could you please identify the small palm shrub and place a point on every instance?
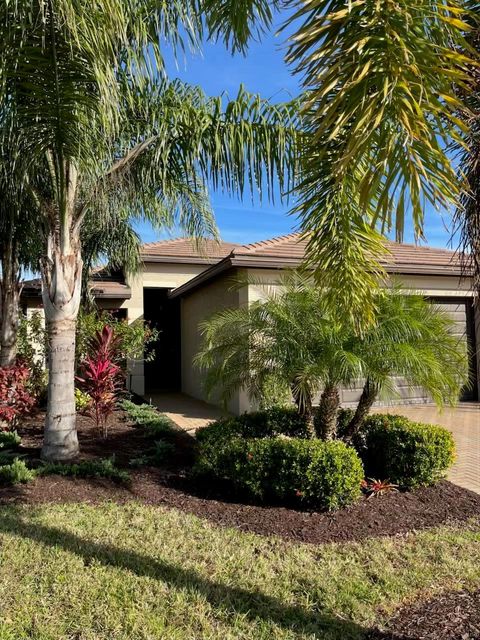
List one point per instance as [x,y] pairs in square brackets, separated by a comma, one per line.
[16,472]
[325,475]
[410,454]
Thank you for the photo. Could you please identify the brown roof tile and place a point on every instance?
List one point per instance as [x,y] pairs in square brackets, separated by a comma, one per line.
[405,257]
[186,250]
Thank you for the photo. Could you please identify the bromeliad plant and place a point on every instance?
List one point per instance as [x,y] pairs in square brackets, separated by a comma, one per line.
[15,397]
[102,378]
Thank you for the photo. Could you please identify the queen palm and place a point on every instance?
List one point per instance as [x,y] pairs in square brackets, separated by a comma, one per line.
[290,337]
[83,84]
[385,83]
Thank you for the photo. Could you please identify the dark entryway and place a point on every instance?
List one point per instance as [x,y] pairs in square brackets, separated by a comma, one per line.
[164,372]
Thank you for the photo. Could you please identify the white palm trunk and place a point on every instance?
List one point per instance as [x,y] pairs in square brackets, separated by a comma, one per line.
[61,291]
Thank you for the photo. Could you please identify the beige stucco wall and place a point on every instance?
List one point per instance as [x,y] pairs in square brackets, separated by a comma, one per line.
[197,306]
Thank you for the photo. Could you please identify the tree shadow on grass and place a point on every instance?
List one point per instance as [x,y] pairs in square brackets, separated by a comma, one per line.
[254,605]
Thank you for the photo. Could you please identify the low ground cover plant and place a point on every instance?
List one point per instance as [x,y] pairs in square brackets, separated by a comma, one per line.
[16,472]
[104,468]
[154,423]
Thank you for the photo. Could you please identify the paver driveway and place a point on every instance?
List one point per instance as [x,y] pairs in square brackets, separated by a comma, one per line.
[464,423]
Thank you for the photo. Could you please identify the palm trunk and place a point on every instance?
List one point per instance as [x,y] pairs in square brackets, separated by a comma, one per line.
[9,304]
[61,292]
[327,412]
[62,279]
[368,397]
[305,409]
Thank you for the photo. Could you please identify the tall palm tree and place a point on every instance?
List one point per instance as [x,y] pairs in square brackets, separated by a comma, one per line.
[291,338]
[382,84]
[83,84]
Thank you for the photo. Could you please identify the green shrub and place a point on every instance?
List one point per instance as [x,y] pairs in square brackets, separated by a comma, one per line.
[162,451]
[259,424]
[152,421]
[326,475]
[104,468]
[16,472]
[82,400]
[410,454]
[9,440]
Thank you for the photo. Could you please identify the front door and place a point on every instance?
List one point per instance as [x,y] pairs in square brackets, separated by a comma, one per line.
[163,372]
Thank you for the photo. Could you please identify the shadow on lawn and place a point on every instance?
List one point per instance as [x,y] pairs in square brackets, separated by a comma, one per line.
[252,604]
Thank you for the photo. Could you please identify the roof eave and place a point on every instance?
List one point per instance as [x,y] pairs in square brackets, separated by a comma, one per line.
[273,262]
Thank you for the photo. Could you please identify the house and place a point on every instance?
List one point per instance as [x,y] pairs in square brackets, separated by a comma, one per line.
[182,283]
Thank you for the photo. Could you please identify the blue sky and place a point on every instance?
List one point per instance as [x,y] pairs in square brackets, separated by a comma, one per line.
[262,71]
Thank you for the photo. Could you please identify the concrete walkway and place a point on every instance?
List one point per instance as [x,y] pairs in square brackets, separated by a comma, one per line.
[187,412]
[463,422]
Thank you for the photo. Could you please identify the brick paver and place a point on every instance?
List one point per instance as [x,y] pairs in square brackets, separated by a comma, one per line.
[463,421]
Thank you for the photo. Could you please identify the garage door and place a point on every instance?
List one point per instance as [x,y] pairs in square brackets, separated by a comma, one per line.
[461,311]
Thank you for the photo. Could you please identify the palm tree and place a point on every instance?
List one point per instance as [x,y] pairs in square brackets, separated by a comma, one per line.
[19,252]
[84,86]
[382,82]
[288,338]
[291,338]
[414,339]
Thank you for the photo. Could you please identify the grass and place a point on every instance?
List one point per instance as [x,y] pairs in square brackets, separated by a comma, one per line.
[114,572]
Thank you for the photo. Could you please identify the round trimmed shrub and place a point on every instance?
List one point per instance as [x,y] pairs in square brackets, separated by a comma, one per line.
[326,475]
[410,454]
[268,423]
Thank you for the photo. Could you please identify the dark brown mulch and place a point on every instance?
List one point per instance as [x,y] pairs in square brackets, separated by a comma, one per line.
[391,514]
[450,616]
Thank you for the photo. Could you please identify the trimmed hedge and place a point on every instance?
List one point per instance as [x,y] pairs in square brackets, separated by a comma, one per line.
[410,454]
[269,423]
[326,475]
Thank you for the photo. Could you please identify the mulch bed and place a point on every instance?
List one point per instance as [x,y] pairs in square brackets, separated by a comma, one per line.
[450,616]
[388,515]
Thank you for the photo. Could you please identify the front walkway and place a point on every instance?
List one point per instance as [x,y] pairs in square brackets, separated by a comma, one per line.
[463,422]
[187,412]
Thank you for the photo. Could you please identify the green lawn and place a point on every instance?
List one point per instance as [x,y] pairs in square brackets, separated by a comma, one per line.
[109,572]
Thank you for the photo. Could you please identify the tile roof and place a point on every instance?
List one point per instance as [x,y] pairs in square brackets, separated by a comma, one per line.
[186,250]
[288,252]
[404,257]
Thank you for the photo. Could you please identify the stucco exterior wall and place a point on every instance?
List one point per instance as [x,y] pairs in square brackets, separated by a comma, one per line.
[196,307]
